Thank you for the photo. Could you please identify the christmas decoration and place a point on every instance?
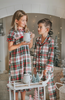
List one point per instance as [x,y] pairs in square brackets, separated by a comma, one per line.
[30,97]
[35,95]
[63,67]
[56,54]
[33,79]
[37,78]
[63,63]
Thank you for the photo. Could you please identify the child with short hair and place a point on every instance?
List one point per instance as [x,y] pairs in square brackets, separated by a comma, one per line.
[44,56]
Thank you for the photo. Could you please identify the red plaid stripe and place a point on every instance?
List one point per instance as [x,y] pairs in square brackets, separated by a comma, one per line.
[43,57]
[51,88]
[44,54]
[19,59]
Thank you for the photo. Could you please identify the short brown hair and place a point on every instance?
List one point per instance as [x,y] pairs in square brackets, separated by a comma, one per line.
[46,22]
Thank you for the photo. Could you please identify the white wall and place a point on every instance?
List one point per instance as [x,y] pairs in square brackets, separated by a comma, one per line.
[52,7]
[6,25]
[32,25]
[2,54]
[63,40]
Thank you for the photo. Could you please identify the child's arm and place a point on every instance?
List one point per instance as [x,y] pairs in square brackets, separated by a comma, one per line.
[31,42]
[11,40]
[44,72]
[34,71]
[49,65]
[34,59]
[13,47]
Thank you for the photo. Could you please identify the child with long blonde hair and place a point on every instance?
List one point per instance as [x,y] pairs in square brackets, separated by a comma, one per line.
[19,54]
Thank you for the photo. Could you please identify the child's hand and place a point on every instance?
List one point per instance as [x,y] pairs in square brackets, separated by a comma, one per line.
[44,72]
[32,35]
[34,70]
[24,43]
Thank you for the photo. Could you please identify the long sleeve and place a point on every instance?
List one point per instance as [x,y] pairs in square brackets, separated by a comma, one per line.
[34,57]
[49,65]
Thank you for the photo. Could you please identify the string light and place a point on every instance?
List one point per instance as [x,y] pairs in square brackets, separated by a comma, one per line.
[58,33]
[34,21]
[35,16]
[60,42]
[58,38]
[52,21]
[60,27]
[33,30]
[0,24]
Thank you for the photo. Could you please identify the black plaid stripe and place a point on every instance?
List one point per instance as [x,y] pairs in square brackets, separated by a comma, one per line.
[44,54]
[19,59]
[43,60]
[51,88]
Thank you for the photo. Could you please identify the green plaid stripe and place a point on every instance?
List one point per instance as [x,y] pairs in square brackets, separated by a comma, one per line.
[51,88]
[19,59]
[44,54]
[43,60]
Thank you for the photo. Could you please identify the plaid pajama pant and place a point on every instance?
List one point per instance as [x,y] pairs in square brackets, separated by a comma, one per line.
[43,60]
[51,88]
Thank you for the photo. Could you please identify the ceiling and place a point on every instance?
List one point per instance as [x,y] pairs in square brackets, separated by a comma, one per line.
[51,7]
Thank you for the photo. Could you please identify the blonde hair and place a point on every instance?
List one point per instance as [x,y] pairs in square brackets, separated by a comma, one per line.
[17,15]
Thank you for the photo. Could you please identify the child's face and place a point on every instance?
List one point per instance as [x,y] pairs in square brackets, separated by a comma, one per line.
[22,22]
[42,29]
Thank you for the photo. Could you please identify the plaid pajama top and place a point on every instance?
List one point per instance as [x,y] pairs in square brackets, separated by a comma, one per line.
[44,54]
[19,59]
